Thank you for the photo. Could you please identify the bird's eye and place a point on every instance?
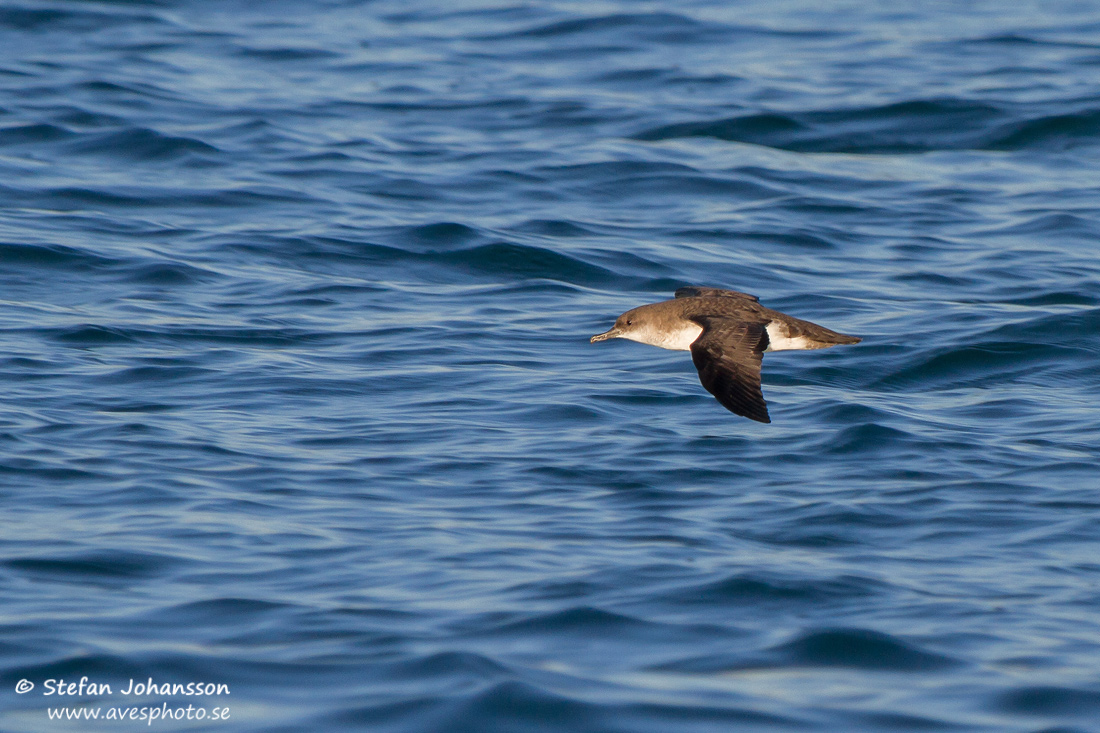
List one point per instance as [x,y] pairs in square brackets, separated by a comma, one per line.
[628,321]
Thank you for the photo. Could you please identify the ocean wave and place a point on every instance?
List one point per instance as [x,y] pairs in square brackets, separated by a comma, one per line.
[140,144]
[915,126]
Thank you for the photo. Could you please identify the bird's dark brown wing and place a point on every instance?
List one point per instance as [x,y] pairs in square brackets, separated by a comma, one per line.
[727,355]
[696,291]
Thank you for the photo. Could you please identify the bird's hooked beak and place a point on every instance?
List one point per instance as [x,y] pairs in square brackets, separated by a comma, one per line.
[615,332]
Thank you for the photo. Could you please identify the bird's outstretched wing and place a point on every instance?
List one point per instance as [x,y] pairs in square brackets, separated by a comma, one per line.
[696,291]
[727,355]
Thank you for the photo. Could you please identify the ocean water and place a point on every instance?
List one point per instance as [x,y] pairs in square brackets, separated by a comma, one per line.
[298,396]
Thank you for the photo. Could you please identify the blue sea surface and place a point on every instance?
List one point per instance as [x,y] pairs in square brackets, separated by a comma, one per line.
[295,300]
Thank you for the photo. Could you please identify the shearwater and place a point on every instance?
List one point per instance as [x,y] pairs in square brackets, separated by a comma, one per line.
[727,333]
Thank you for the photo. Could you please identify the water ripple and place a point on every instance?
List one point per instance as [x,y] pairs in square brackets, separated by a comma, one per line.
[294,314]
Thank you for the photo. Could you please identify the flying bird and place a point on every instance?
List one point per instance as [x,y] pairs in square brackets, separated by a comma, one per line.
[727,333]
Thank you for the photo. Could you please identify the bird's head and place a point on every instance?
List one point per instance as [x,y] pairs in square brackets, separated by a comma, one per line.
[630,325]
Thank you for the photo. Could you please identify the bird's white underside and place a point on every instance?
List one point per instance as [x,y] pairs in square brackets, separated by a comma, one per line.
[681,340]
[779,341]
